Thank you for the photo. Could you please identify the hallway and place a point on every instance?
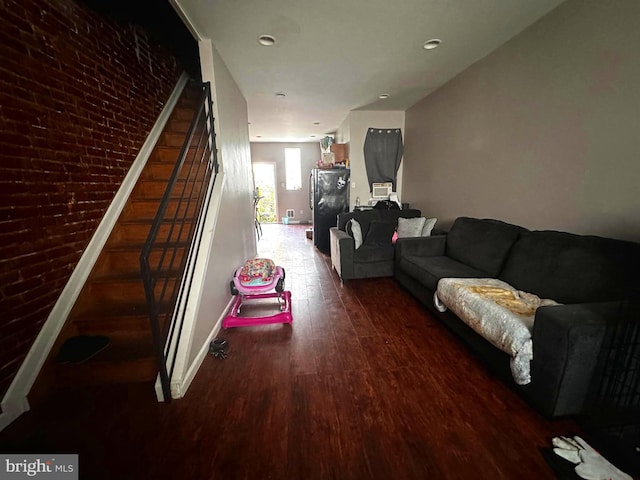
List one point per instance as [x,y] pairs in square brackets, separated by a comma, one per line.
[365,384]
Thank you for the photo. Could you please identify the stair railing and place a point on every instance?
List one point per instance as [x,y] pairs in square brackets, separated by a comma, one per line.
[171,248]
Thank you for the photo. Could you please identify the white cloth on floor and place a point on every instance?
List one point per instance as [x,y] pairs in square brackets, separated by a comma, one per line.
[590,465]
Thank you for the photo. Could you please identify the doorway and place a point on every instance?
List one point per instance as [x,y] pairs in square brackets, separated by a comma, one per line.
[264,179]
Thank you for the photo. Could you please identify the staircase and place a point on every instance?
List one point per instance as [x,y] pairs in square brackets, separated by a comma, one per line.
[112,302]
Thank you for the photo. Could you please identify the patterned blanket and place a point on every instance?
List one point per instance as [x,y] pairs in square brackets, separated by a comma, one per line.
[501,314]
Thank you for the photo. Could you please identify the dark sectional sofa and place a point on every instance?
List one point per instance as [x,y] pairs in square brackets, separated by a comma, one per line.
[590,276]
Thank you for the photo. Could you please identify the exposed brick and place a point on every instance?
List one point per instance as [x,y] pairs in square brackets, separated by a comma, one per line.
[11,365]
[22,287]
[37,309]
[76,104]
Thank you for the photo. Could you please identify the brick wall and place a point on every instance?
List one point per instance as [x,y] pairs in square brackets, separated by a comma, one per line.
[79,93]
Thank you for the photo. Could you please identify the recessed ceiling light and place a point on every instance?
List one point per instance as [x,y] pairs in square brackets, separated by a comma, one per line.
[316,123]
[431,44]
[258,136]
[281,94]
[267,40]
[313,136]
[383,96]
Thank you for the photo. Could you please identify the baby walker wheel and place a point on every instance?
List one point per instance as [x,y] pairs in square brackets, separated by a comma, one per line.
[280,284]
[232,287]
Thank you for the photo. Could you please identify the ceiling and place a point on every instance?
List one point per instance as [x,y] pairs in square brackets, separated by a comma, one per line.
[334,56]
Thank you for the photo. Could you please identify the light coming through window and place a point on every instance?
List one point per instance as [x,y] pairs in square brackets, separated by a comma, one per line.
[292,168]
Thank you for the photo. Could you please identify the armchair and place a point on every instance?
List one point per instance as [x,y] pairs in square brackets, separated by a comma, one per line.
[375,258]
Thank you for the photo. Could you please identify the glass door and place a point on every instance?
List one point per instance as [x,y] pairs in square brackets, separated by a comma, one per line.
[264,178]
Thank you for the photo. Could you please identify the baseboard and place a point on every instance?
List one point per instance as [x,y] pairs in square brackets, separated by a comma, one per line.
[12,410]
[28,372]
[179,389]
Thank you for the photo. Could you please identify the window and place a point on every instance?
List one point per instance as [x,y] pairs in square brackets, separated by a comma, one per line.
[292,169]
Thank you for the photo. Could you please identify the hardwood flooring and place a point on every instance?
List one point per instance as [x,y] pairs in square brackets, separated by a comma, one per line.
[364,385]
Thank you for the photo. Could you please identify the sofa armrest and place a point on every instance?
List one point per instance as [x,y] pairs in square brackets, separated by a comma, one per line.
[433,246]
[342,252]
[566,346]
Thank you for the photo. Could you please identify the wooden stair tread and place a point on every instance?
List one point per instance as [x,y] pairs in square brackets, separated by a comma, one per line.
[124,257]
[134,248]
[96,308]
[114,315]
[138,231]
[155,200]
[183,113]
[102,324]
[123,291]
[162,181]
[119,276]
[148,207]
[124,351]
[121,328]
[152,189]
[146,221]
[124,307]
[157,171]
[179,126]
[123,361]
[118,329]
[173,139]
[131,276]
[167,154]
[104,372]
[137,245]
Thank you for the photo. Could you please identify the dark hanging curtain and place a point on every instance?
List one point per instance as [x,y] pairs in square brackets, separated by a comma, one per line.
[382,155]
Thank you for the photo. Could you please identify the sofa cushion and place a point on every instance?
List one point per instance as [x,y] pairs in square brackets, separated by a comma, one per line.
[572,268]
[374,253]
[428,270]
[379,234]
[482,244]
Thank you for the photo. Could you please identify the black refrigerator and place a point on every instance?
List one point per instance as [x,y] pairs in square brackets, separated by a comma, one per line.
[328,196]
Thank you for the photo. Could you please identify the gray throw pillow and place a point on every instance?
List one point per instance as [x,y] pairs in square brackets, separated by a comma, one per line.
[354,229]
[428,226]
[410,227]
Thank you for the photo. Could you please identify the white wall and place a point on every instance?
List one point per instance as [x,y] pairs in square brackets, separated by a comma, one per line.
[234,238]
[544,132]
[354,131]
[343,133]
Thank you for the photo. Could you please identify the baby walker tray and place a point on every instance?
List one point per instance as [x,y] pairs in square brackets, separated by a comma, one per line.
[258,279]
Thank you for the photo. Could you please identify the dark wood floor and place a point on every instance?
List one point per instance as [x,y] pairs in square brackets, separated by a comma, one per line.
[365,384]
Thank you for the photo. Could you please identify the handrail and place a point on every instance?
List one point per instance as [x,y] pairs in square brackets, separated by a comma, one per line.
[167,274]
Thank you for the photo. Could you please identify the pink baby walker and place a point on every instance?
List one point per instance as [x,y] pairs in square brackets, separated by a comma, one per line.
[253,281]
